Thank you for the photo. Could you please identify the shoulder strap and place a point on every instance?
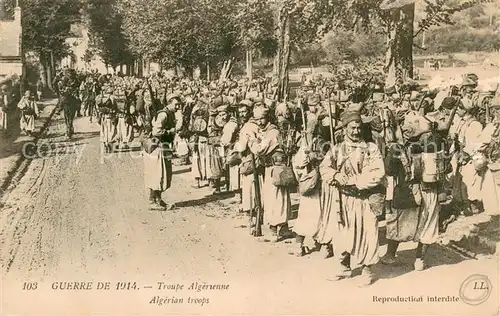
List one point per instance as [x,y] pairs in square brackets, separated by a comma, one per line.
[364,152]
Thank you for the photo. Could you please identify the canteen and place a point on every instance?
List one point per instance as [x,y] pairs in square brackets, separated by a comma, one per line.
[433,166]
[479,161]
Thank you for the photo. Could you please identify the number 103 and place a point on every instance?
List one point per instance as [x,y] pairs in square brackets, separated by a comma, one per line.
[29,286]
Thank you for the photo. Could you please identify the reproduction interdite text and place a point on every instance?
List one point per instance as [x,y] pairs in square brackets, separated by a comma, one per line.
[416,299]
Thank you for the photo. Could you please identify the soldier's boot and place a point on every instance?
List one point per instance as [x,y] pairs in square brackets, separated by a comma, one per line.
[298,250]
[159,201]
[152,199]
[326,251]
[216,186]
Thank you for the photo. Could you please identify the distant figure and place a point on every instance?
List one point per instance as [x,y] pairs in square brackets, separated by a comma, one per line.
[39,89]
[436,65]
[6,109]
[29,112]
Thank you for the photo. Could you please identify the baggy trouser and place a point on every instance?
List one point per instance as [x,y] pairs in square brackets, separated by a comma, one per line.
[69,116]
[200,161]
[125,131]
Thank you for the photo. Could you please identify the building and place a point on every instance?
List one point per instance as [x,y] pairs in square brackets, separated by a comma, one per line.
[11,56]
[79,43]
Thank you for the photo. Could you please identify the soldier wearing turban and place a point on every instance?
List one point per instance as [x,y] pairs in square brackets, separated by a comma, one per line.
[466,132]
[277,202]
[221,133]
[158,155]
[351,167]
[490,149]
[125,129]
[247,133]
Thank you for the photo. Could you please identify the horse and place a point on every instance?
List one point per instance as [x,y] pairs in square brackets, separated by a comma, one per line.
[69,105]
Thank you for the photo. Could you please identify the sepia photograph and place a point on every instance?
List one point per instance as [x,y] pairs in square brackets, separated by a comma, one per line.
[249,157]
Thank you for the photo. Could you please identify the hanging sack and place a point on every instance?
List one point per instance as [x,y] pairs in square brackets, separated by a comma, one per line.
[150,144]
[283,176]
[403,197]
[246,167]
[377,203]
[309,182]
[233,159]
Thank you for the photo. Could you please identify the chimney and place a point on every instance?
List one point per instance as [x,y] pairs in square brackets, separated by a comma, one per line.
[17,22]
[17,13]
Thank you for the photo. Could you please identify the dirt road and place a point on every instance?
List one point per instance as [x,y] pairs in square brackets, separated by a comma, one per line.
[79,216]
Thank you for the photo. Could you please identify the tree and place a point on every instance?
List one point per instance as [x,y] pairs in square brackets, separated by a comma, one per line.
[395,18]
[254,19]
[106,33]
[46,26]
[182,32]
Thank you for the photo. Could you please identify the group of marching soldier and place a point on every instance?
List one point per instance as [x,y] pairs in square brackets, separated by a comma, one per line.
[401,152]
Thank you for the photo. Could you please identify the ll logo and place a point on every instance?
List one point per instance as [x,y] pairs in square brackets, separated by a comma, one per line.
[476,289]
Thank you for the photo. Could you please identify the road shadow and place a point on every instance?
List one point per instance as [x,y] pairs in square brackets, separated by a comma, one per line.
[489,233]
[437,255]
[84,135]
[483,237]
[182,170]
[9,144]
[204,200]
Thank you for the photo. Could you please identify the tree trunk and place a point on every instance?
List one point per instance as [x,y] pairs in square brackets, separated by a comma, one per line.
[52,64]
[208,71]
[249,64]
[282,58]
[49,77]
[399,54]
[43,75]
[226,70]
[197,72]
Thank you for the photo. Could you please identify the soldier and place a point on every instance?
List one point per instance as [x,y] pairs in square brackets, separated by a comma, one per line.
[214,162]
[248,131]
[140,110]
[107,110]
[29,112]
[180,142]
[467,180]
[278,177]
[352,172]
[415,208]
[158,155]
[228,140]
[39,90]
[221,132]
[306,163]
[199,139]
[6,107]
[125,131]
[490,148]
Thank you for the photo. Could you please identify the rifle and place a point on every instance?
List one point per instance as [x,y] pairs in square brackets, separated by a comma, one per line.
[332,141]
[257,232]
[304,132]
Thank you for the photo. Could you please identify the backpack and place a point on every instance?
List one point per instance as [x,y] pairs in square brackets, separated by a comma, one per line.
[199,119]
